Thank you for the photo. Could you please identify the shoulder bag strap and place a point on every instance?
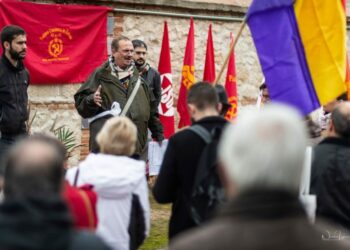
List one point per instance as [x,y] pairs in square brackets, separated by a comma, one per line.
[131,98]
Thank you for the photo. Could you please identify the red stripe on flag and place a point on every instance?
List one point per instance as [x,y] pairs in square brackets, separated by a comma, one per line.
[347,74]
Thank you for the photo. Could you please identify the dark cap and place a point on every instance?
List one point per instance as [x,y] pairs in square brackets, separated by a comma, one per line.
[221,92]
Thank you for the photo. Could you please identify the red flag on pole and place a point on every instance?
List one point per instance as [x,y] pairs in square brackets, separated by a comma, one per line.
[231,86]
[65,42]
[209,68]
[166,110]
[187,80]
[347,75]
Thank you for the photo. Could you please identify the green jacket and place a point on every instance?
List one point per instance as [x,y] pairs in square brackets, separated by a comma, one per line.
[141,111]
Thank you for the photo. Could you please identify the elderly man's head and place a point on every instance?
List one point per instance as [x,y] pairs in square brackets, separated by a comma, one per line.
[264,150]
[35,167]
[122,51]
[340,121]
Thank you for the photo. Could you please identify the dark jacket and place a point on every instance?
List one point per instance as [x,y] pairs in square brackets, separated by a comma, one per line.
[140,112]
[175,180]
[260,220]
[152,78]
[14,82]
[330,180]
[41,224]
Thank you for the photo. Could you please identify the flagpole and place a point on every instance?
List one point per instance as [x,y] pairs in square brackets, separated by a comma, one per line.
[233,45]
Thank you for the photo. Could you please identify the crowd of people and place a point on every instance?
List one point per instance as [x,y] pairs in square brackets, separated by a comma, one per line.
[231,185]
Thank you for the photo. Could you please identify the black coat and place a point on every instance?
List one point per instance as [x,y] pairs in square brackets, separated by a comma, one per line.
[152,78]
[330,180]
[14,82]
[177,173]
[41,224]
[261,220]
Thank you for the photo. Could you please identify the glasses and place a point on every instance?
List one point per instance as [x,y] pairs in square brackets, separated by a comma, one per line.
[125,52]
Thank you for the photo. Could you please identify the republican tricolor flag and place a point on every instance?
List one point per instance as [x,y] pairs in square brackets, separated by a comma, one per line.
[166,110]
[187,79]
[302,49]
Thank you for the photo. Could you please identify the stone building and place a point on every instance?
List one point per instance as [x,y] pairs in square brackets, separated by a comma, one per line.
[144,20]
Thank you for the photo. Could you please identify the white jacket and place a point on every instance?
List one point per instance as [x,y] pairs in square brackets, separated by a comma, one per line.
[115,179]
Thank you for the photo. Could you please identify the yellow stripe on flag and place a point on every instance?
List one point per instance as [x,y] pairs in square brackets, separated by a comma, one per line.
[322,29]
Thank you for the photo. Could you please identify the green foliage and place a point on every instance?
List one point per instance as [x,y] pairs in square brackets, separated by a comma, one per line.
[67,137]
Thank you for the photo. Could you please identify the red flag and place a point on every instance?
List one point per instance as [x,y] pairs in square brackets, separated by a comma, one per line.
[347,74]
[231,86]
[65,42]
[209,68]
[165,109]
[187,80]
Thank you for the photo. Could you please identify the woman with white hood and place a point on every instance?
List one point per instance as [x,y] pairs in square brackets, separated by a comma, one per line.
[120,183]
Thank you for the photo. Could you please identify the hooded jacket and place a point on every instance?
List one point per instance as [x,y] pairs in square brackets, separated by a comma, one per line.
[122,204]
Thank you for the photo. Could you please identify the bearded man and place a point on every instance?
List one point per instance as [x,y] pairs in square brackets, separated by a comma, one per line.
[151,75]
[14,81]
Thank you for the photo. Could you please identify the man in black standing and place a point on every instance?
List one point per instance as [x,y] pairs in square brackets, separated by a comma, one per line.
[178,171]
[14,81]
[330,170]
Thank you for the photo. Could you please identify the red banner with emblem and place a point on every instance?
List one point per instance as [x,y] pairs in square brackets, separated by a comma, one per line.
[187,79]
[231,86]
[65,43]
[209,68]
[166,110]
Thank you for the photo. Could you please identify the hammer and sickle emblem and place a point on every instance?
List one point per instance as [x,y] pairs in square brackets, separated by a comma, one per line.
[55,47]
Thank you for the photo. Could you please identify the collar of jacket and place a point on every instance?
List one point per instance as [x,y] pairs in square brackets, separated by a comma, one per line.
[106,73]
[211,119]
[35,223]
[263,204]
[7,62]
[336,140]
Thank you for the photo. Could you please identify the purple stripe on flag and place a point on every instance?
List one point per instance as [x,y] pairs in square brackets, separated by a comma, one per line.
[264,5]
[282,57]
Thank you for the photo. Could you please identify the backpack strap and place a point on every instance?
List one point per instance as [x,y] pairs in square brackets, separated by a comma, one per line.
[201,132]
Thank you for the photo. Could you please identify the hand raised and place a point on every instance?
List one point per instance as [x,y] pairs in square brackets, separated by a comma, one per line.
[97,96]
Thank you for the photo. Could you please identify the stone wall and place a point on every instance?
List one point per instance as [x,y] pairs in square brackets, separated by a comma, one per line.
[249,73]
